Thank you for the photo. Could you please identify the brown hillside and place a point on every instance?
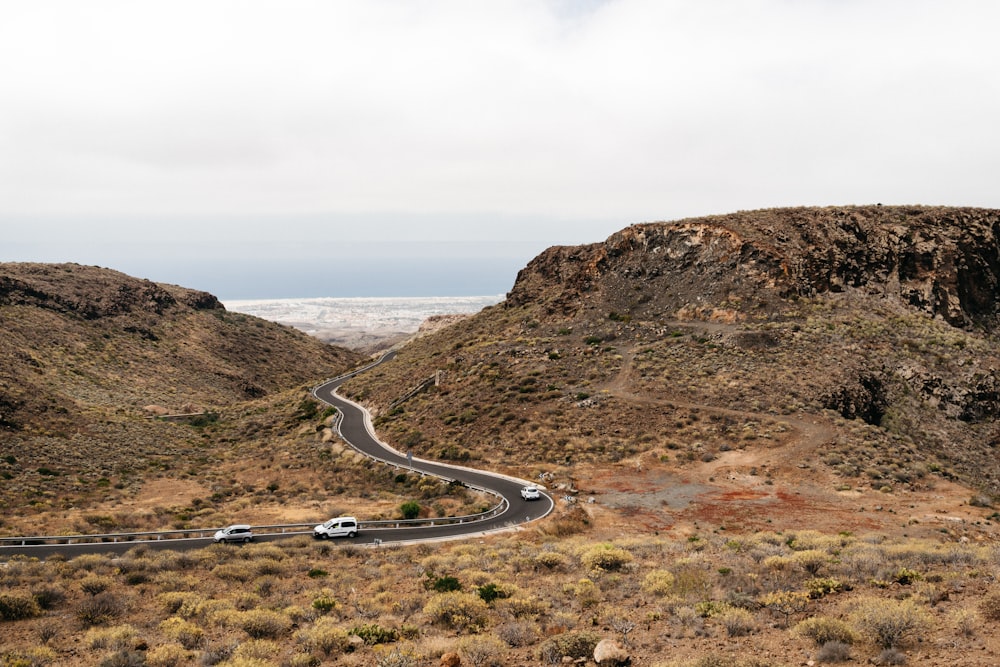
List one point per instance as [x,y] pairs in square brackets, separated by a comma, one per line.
[848,349]
[89,355]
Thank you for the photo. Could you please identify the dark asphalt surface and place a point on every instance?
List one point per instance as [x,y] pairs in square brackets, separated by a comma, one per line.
[356,429]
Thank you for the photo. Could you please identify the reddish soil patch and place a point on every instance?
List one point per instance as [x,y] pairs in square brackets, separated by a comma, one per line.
[654,498]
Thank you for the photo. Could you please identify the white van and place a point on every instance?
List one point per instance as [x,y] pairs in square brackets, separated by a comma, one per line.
[342,526]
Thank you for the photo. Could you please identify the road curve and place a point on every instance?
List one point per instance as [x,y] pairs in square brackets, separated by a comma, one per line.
[356,429]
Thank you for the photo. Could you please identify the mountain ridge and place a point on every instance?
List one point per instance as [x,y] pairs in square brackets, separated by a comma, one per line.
[882,316]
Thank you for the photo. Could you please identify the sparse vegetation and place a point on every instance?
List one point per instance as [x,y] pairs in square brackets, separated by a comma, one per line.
[801,467]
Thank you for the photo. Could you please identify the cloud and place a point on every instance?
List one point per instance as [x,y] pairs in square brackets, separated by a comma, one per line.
[614,112]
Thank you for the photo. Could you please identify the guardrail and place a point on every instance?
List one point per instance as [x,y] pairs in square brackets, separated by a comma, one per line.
[273,529]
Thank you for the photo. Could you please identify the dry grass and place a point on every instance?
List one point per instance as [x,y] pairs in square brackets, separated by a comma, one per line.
[522,598]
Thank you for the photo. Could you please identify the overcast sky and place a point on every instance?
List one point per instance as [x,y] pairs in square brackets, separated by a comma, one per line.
[297,148]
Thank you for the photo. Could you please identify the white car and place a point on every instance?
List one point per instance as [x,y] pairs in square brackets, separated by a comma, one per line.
[238,533]
[342,526]
[530,493]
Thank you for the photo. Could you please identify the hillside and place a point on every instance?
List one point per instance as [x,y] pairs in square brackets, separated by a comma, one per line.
[771,436]
[830,353]
[89,355]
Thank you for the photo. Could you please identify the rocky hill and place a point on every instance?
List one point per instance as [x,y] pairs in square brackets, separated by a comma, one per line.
[88,356]
[81,339]
[858,343]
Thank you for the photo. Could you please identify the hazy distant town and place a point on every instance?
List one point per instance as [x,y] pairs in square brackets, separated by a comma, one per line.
[360,321]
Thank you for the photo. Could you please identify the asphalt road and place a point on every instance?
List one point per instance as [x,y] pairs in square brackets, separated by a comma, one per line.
[356,429]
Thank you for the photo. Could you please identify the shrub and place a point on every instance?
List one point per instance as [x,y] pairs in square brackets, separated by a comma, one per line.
[606,558]
[889,623]
[48,597]
[990,607]
[233,572]
[737,622]
[188,634]
[785,603]
[823,586]
[811,560]
[552,560]
[167,655]
[410,509]
[373,633]
[115,638]
[264,623]
[124,658]
[394,657]
[39,656]
[520,606]
[658,582]
[93,585]
[172,601]
[444,584]
[824,630]
[260,650]
[324,602]
[100,608]
[891,656]
[834,651]
[568,644]
[17,607]
[461,611]
[490,592]
[325,637]
[517,634]
[966,621]
[481,651]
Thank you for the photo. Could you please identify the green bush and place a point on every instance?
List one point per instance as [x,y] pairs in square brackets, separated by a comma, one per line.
[324,601]
[444,584]
[410,509]
[823,586]
[490,592]
[373,633]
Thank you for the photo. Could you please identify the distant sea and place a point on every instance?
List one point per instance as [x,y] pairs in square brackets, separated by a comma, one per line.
[322,315]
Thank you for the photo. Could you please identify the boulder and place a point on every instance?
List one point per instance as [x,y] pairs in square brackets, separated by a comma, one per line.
[450,659]
[610,652]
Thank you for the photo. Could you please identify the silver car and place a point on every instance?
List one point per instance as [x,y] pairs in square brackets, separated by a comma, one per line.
[238,533]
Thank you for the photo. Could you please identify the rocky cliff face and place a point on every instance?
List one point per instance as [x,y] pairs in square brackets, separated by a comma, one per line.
[91,292]
[942,261]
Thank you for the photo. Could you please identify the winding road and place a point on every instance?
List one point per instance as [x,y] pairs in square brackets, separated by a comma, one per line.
[355,427]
